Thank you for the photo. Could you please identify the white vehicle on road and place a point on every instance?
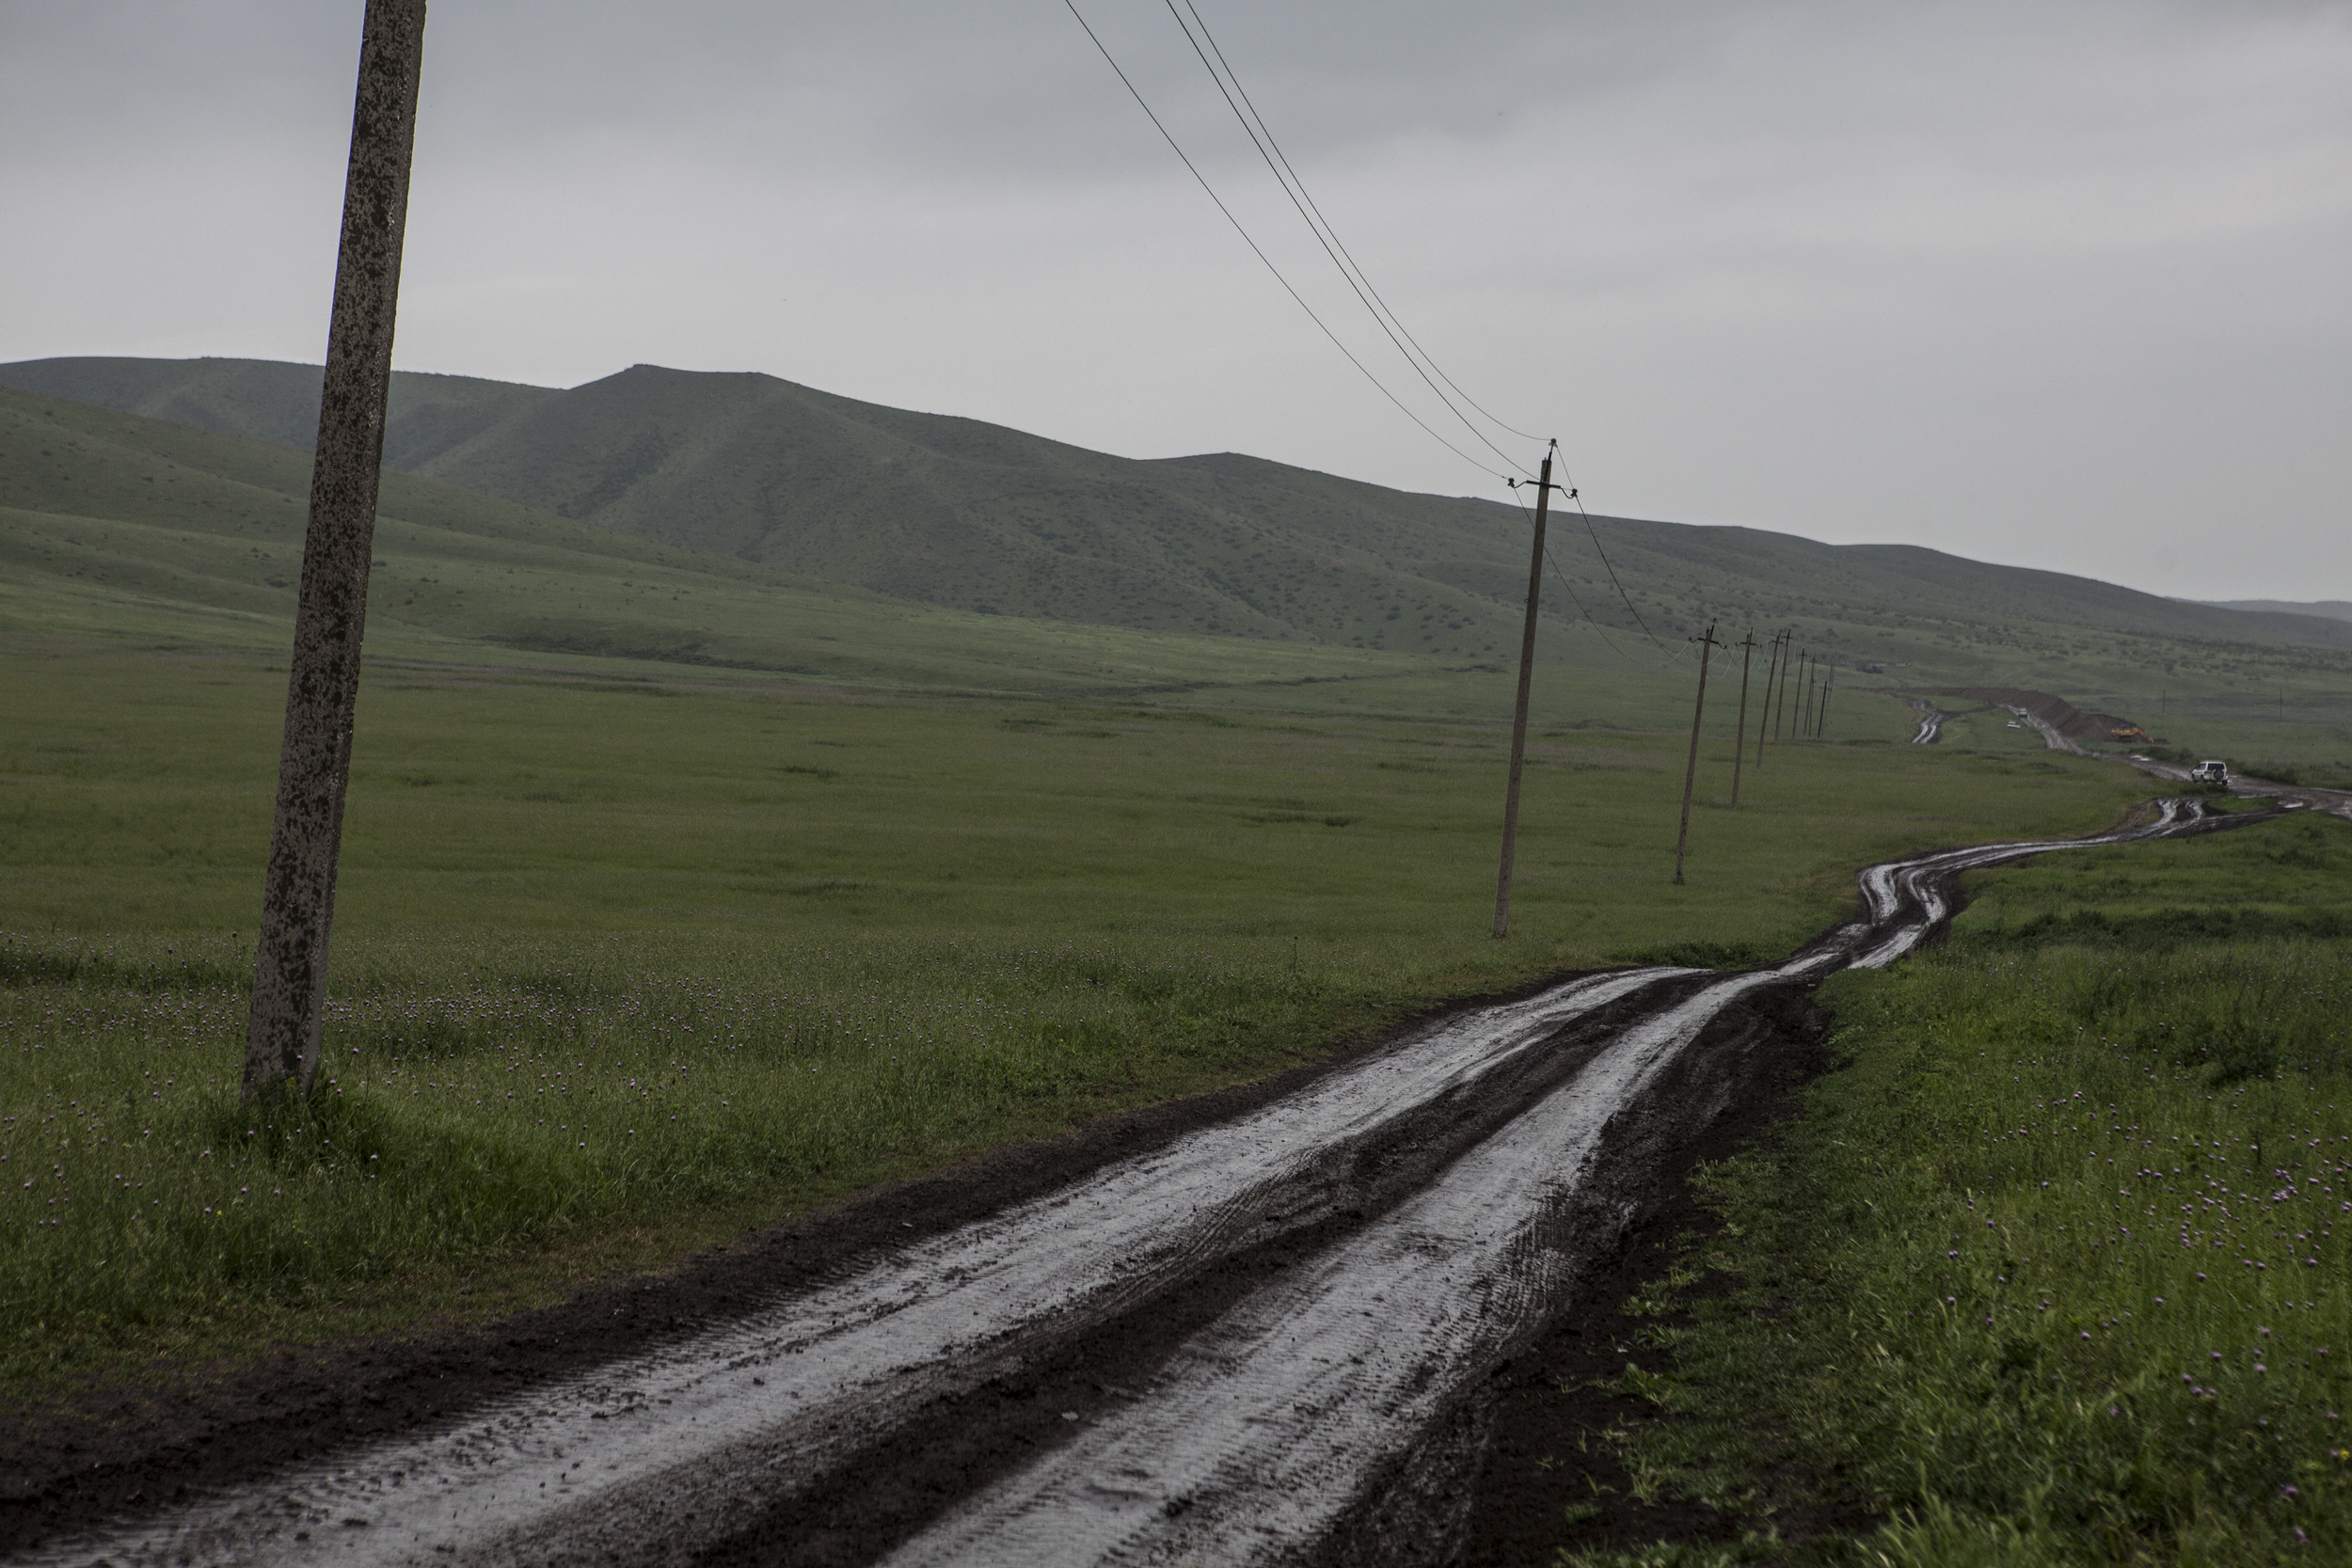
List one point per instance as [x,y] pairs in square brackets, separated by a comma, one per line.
[2211,772]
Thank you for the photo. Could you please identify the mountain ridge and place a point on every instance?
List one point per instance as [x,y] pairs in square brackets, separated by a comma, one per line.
[121,529]
[2333,609]
[963,513]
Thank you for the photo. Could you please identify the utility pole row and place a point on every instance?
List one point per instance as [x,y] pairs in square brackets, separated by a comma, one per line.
[1785,664]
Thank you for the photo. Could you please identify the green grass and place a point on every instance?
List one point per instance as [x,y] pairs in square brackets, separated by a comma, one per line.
[838,936]
[2048,1272]
[485,1099]
[861,884]
[2288,878]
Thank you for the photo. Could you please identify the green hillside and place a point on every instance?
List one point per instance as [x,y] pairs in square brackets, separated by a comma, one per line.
[117,527]
[800,487]
[274,401]
[954,511]
[2334,610]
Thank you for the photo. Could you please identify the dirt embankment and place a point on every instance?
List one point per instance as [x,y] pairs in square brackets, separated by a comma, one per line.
[2060,715]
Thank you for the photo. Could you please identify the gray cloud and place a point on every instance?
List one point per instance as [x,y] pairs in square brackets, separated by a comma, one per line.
[2058,285]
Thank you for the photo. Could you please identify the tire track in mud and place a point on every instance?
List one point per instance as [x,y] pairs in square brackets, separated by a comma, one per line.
[1296,1296]
[1931,719]
[1266,1426]
[788,1390]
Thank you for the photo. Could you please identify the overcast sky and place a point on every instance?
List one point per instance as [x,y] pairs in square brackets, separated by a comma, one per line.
[2063,283]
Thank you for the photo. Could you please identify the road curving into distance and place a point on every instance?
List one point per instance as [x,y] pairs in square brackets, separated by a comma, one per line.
[2334,802]
[1270,1312]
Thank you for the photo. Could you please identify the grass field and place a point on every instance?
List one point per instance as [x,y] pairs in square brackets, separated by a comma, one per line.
[622,965]
[2049,1273]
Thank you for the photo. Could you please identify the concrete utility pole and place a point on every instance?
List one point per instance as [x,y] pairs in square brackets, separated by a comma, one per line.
[1820,715]
[1544,488]
[1764,715]
[1804,699]
[322,689]
[1739,733]
[1780,707]
[1691,773]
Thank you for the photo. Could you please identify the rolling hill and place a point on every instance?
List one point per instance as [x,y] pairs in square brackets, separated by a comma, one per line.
[2334,610]
[135,531]
[955,513]
[272,400]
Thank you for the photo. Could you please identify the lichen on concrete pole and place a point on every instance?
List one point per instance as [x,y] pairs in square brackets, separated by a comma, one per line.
[330,616]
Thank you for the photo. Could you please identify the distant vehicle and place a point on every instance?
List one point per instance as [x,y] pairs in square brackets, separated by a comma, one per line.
[2211,772]
[2015,725]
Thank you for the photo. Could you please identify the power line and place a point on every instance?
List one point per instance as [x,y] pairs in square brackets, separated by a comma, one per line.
[1262,138]
[1278,163]
[1595,535]
[1671,654]
[1336,239]
[1262,256]
[1574,598]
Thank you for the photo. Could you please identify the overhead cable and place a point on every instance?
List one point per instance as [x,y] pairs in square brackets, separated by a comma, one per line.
[1335,235]
[1279,165]
[1262,256]
[1574,598]
[1595,535]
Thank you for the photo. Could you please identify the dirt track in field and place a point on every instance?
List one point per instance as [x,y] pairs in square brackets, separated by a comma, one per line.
[1291,1322]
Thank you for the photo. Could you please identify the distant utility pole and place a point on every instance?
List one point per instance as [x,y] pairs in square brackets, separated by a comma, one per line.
[1740,735]
[322,688]
[1820,718]
[1691,773]
[1544,487]
[1764,715]
[1780,709]
[1804,699]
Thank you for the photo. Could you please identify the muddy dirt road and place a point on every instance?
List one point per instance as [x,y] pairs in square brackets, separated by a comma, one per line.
[2334,802]
[1932,719]
[1227,1347]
